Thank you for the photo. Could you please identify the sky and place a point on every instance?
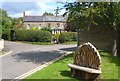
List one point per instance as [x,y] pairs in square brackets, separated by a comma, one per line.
[15,8]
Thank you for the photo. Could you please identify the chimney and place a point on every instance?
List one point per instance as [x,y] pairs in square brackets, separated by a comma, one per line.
[24,14]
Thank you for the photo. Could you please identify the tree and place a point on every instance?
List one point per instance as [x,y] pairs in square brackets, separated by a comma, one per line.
[111,13]
[83,14]
[47,14]
[115,22]
[79,13]
[5,20]
[17,23]
[57,11]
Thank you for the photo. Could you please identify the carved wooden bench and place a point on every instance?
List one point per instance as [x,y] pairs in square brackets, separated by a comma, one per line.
[87,62]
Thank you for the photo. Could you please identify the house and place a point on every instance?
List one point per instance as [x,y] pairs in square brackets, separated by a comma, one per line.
[56,23]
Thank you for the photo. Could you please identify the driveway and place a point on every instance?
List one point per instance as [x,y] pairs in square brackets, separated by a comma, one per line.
[26,57]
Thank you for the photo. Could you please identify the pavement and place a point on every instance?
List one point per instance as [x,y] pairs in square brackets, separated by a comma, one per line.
[26,57]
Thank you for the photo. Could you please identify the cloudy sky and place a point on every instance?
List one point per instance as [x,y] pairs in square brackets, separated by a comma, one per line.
[15,8]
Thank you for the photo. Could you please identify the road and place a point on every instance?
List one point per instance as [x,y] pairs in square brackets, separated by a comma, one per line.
[26,57]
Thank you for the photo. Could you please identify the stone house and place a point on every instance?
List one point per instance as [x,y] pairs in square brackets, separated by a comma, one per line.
[56,23]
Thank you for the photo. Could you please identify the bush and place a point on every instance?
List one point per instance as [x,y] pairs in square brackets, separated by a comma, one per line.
[73,36]
[33,35]
[34,28]
[43,36]
[67,37]
[64,37]
[21,35]
[47,29]
[6,35]
[56,35]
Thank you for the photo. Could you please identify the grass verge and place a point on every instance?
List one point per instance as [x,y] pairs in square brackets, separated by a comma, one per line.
[59,69]
[39,43]
[73,42]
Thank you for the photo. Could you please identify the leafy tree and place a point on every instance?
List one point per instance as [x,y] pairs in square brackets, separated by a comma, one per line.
[17,23]
[83,14]
[47,14]
[79,13]
[5,20]
[57,11]
[110,14]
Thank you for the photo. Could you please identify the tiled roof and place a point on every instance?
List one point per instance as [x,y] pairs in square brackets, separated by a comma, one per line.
[43,19]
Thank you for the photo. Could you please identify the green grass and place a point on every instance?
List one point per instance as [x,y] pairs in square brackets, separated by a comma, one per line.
[39,43]
[73,42]
[48,43]
[59,69]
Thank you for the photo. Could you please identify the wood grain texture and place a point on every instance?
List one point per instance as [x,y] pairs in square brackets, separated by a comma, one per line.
[87,62]
[86,55]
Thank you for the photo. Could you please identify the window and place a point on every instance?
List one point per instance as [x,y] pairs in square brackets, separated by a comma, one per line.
[39,24]
[58,24]
[49,25]
[28,24]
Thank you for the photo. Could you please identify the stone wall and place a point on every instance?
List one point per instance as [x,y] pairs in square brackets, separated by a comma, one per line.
[1,44]
[101,38]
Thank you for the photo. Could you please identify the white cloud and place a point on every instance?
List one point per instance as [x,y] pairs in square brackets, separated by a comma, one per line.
[44,7]
[41,5]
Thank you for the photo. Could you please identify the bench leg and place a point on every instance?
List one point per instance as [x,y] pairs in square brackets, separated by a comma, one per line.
[86,76]
[73,72]
[92,77]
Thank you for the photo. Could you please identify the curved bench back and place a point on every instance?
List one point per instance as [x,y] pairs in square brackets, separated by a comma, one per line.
[86,55]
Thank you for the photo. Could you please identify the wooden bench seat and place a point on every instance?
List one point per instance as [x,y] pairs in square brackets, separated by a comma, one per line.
[87,62]
[89,70]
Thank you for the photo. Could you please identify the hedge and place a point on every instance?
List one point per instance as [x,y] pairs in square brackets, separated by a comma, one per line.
[67,37]
[33,35]
[6,34]
[43,36]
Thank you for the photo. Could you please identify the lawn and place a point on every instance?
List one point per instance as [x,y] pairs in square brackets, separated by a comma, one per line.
[38,43]
[48,43]
[72,42]
[59,69]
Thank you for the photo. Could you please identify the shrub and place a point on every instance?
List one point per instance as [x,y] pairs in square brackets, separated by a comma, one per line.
[67,37]
[6,35]
[33,35]
[73,36]
[47,29]
[21,35]
[64,37]
[34,28]
[43,36]
[56,35]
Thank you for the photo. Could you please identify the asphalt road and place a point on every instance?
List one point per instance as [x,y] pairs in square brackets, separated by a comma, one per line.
[26,57]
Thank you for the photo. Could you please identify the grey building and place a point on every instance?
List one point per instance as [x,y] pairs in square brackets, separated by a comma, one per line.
[56,23]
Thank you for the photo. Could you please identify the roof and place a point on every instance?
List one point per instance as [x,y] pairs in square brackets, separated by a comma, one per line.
[43,19]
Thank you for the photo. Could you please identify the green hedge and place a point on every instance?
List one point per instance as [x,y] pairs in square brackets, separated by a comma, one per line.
[67,37]
[43,36]
[47,29]
[33,35]
[6,34]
